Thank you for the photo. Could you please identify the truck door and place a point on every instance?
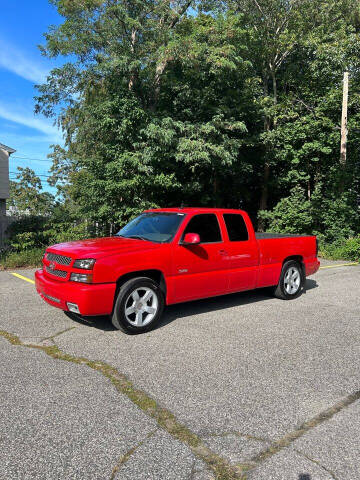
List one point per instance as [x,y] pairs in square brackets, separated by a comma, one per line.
[242,253]
[200,270]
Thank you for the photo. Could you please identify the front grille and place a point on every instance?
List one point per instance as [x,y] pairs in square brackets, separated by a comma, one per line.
[56,273]
[60,259]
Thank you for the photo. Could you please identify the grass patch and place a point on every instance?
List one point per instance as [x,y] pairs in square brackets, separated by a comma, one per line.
[343,249]
[26,258]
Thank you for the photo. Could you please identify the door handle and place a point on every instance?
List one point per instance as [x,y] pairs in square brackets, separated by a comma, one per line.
[223,252]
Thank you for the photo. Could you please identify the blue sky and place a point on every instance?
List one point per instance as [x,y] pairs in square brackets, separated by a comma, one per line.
[23,24]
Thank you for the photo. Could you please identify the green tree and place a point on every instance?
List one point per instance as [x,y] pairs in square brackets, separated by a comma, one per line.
[149,123]
[26,196]
[275,27]
[299,50]
[163,103]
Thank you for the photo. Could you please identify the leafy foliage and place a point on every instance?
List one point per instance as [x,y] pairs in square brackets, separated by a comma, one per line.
[26,195]
[233,104]
[31,232]
[330,219]
[25,258]
[348,249]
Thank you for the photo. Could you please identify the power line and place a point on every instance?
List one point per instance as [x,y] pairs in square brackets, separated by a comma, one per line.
[13,179]
[37,174]
[29,158]
[42,181]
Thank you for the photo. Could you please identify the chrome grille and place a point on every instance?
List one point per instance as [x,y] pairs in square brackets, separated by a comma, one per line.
[56,273]
[60,259]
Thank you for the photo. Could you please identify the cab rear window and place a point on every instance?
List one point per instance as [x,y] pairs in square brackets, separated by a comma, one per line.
[236,227]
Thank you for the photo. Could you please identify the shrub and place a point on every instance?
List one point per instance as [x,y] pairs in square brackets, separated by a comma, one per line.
[291,215]
[26,233]
[342,249]
[330,219]
[33,232]
[28,258]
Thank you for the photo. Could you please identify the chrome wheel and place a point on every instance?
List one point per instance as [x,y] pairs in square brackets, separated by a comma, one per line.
[292,280]
[141,306]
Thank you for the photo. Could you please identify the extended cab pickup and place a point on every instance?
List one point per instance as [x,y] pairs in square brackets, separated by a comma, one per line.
[172,255]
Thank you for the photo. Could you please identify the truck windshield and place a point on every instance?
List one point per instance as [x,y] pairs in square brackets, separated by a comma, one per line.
[153,226]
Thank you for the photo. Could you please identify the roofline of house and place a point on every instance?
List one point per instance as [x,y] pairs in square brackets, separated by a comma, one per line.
[7,149]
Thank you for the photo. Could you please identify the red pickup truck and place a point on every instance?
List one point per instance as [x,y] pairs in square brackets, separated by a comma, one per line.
[172,255]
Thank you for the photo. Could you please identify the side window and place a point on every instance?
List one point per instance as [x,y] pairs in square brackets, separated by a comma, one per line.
[236,227]
[207,226]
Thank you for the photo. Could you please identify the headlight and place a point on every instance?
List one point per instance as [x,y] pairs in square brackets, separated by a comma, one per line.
[81,277]
[85,263]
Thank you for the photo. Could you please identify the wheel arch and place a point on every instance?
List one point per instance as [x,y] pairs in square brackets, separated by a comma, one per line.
[156,275]
[299,259]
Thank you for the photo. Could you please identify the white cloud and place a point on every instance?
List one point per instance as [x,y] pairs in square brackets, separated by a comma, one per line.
[15,138]
[17,62]
[26,118]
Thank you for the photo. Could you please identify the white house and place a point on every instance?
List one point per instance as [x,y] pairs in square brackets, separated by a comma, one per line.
[5,153]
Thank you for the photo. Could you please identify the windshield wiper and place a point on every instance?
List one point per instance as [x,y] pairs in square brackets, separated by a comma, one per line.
[138,237]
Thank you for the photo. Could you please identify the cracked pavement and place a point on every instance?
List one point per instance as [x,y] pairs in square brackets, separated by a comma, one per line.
[234,386]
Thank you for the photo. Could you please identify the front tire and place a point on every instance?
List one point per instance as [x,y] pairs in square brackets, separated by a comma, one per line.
[291,282]
[138,306]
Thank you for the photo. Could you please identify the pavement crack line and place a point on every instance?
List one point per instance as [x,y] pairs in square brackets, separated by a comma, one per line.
[308,425]
[192,471]
[316,462]
[236,434]
[57,334]
[124,458]
[165,419]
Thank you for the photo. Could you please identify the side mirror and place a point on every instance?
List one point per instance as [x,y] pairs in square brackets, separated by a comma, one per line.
[191,239]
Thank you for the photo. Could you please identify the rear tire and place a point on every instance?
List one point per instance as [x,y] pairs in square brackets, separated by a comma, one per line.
[138,306]
[291,282]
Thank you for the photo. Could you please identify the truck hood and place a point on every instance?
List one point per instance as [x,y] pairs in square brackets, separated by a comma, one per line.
[101,247]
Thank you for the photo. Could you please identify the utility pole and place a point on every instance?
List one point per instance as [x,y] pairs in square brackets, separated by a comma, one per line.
[344,130]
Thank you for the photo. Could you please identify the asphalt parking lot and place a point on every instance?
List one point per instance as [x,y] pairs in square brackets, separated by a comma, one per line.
[244,384]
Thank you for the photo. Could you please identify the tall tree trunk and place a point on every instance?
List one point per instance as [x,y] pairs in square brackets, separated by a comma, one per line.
[268,124]
[309,181]
[264,189]
[160,67]
[274,82]
[266,168]
[215,189]
[133,74]
[344,131]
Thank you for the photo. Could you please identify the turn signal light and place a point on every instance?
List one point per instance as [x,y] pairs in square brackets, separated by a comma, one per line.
[81,277]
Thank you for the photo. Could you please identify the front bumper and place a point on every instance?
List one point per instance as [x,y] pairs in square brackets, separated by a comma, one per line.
[92,299]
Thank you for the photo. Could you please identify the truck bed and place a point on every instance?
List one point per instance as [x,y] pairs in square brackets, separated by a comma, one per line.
[267,236]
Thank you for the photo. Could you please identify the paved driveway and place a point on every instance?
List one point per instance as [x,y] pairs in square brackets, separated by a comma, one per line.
[242,384]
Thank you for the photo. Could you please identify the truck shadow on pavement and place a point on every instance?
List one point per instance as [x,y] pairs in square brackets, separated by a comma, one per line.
[101,323]
[223,302]
[195,307]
